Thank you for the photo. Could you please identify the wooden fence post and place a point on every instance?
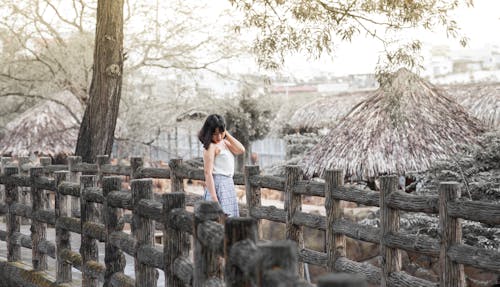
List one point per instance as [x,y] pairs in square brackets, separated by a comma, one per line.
[143,230]
[24,192]
[237,229]
[335,243]
[63,269]
[74,176]
[101,160]
[342,280]
[114,257]
[135,163]
[38,228]
[174,245]
[278,265]
[253,193]
[13,222]
[88,247]
[452,273]
[176,182]
[293,204]
[389,224]
[46,161]
[206,261]
[4,161]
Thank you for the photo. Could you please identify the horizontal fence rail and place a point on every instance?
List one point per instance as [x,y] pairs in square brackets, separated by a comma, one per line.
[90,201]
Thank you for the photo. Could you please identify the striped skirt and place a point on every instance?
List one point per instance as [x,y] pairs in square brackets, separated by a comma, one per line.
[226,193]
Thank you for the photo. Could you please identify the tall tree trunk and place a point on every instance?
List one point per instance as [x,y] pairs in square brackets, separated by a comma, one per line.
[99,120]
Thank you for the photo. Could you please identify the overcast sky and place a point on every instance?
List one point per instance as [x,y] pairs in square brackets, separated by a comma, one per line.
[480,24]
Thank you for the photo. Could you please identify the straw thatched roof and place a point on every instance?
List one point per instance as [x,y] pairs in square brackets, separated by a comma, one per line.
[482,100]
[405,126]
[48,128]
[325,112]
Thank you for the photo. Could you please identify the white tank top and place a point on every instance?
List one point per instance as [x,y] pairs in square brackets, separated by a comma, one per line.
[224,161]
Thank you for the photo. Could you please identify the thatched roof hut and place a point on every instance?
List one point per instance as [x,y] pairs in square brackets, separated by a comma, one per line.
[405,126]
[324,112]
[481,100]
[48,128]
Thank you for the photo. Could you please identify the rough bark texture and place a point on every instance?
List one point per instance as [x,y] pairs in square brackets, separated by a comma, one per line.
[38,229]
[252,193]
[293,205]
[63,268]
[452,273]
[99,120]
[176,181]
[74,177]
[88,248]
[13,222]
[114,258]
[335,242]
[389,223]
[143,231]
[175,241]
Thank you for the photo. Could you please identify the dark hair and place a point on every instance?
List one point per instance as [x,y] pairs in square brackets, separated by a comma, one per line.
[212,123]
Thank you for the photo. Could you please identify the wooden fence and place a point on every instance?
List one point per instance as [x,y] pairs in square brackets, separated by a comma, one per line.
[249,261]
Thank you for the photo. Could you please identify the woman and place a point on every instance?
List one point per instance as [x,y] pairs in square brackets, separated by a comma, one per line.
[218,163]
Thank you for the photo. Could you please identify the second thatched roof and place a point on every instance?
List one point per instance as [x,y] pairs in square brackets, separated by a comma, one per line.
[405,126]
[50,128]
[482,100]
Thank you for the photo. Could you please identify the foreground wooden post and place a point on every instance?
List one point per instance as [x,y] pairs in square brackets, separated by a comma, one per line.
[88,247]
[452,273]
[293,204]
[342,280]
[3,163]
[114,257]
[176,182]
[63,237]
[38,228]
[175,241]
[206,261]
[46,161]
[278,264]
[74,176]
[335,243]
[13,222]
[389,224]
[135,163]
[101,160]
[253,193]
[237,229]
[143,230]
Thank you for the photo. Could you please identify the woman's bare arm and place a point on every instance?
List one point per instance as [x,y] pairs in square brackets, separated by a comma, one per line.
[234,145]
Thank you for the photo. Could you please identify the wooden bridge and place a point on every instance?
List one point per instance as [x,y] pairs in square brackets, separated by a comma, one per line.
[248,261]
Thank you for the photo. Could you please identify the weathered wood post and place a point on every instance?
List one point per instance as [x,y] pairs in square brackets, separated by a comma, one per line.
[389,224]
[342,280]
[63,237]
[278,264]
[4,161]
[88,214]
[74,176]
[143,230]
[206,261]
[238,229]
[114,257]
[38,228]
[13,222]
[176,182]
[101,161]
[452,273]
[174,245]
[293,204]
[24,192]
[335,243]
[135,163]
[44,162]
[253,193]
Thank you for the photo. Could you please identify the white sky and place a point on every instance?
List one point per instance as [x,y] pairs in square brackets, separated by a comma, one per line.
[481,24]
